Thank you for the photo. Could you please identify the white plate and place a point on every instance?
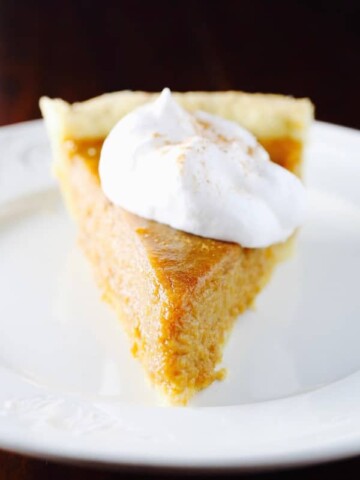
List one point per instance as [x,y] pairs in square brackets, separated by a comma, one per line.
[69,389]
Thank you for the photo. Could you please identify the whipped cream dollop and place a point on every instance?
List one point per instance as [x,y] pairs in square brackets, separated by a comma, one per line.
[201,174]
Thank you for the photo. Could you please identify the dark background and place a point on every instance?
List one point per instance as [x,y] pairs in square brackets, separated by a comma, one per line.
[78,49]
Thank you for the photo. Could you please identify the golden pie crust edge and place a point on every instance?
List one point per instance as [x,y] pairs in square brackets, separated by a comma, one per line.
[265,115]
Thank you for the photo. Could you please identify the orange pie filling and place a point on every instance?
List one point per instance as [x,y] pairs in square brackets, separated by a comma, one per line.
[177,294]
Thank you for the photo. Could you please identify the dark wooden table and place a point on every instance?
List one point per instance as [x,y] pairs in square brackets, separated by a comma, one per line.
[78,49]
[16,467]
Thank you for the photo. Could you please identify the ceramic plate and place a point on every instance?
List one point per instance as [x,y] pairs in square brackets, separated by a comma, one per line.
[70,390]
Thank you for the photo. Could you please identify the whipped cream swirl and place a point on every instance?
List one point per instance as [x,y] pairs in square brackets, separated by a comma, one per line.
[201,174]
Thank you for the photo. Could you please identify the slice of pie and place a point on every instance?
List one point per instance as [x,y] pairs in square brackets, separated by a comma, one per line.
[177,295]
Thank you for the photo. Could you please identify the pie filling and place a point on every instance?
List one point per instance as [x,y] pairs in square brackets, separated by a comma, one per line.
[286,152]
[177,294]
